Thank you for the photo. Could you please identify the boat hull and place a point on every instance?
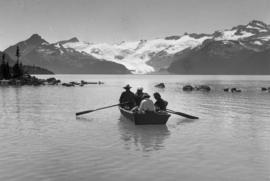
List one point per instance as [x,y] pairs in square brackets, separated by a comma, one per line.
[146,118]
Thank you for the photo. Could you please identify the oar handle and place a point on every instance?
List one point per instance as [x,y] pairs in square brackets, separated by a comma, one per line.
[182,114]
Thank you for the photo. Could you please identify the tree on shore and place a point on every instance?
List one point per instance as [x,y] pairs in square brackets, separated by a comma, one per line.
[4,68]
[18,68]
[8,75]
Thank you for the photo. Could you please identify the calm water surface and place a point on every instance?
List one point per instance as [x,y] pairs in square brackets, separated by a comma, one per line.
[41,139]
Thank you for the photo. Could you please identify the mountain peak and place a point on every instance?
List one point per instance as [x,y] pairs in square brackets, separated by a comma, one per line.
[36,39]
[259,24]
[71,40]
[35,35]
[74,39]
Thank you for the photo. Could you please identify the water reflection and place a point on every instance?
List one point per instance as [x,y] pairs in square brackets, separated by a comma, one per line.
[83,119]
[145,138]
[185,121]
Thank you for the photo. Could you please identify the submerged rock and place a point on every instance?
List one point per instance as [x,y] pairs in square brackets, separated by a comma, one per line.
[204,88]
[74,83]
[68,85]
[232,90]
[85,83]
[235,90]
[53,81]
[188,88]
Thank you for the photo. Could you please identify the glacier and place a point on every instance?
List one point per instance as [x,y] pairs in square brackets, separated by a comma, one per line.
[135,55]
[138,56]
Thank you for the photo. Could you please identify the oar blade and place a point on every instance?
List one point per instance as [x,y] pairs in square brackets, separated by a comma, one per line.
[186,115]
[182,114]
[83,112]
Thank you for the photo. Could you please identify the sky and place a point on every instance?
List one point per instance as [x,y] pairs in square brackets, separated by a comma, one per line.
[114,21]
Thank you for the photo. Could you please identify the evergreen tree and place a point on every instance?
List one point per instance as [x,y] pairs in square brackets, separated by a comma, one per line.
[2,67]
[21,72]
[18,68]
[8,75]
[18,54]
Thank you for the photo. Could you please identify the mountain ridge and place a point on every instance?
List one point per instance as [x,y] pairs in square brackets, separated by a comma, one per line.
[156,55]
[53,56]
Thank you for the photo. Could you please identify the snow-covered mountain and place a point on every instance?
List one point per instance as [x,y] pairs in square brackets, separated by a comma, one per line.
[53,56]
[149,56]
[146,56]
[255,32]
[244,49]
[135,55]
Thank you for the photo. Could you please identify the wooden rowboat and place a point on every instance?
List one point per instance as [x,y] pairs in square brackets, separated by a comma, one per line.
[146,118]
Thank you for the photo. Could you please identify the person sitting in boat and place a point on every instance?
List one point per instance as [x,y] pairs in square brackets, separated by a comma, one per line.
[128,97]
[139,96]
[160,104]
[146,104]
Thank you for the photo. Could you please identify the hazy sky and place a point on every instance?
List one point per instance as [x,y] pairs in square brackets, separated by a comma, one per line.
[117,20]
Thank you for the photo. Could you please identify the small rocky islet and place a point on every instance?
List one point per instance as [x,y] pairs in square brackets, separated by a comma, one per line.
[160,85]
[30,80]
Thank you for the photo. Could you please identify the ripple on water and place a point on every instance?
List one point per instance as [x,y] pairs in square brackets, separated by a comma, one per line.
[41,139]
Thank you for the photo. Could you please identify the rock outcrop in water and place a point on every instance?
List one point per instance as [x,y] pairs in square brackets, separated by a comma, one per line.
[232,90]
[161,85]
[203,88]
[188,88]
[28,80]
[82,83]
[265,89]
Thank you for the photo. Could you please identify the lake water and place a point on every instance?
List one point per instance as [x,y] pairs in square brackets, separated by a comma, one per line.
[41,139]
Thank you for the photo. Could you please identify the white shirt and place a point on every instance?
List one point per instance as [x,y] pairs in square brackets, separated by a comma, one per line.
[146,105]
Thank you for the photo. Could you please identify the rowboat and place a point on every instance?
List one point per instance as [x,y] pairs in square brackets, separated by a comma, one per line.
[145,118]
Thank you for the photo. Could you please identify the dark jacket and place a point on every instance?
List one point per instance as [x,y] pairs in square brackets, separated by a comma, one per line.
[138,98]
[127,96]
[161,105]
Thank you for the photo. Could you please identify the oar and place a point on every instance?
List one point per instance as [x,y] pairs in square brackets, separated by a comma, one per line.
[182,114]
[89,111]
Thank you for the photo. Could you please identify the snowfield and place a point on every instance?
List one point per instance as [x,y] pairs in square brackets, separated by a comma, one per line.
[231,35]
[135,55]
[265,38]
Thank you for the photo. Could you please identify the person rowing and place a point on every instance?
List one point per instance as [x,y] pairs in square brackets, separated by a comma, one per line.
[127,96]
[160,104]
